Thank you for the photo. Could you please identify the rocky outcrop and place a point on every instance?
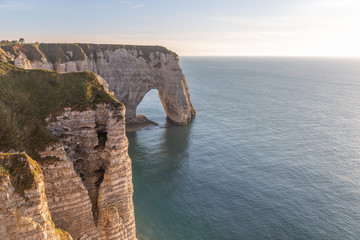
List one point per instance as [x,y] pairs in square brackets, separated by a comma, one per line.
[130,71]
[94,143]
[74,129]
[24,212]
[68,199]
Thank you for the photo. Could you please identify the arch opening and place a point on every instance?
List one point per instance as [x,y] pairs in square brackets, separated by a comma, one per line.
[151,106]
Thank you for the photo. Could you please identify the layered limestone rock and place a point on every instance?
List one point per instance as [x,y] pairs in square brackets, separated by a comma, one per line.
[24,212]
[95,142]
[75,130]
[68,199]
[130,71]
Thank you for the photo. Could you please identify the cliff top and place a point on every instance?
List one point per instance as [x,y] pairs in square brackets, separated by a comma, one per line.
[59,52]
[28,97]
[23,170]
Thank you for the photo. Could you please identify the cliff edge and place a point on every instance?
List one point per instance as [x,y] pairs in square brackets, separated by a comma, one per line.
[81,179]
[24,212]
[130,71]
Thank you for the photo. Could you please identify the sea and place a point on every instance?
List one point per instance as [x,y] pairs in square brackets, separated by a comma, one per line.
[273,153]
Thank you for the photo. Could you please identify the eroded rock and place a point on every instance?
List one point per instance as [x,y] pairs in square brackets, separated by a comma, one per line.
[130,71]
[81,179]
[24,212]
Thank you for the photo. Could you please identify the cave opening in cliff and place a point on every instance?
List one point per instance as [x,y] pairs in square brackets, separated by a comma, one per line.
[151,107]
[102,138]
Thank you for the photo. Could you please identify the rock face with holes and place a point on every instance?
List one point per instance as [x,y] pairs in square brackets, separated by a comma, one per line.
[88,187]
[131,75]
[80,179]
[130,71]
[95,146]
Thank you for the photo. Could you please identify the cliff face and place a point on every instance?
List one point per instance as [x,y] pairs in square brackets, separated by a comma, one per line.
[95,146]
[75,131]
[130,71]
[24,212]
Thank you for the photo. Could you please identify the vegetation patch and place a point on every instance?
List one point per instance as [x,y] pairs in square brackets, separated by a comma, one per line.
[3,56]
[53,52]
[145,50]
[62,234]
[23,171]
[11,49]
[29,97]
[31,51]
[58,52]
[77,52]
[3,170]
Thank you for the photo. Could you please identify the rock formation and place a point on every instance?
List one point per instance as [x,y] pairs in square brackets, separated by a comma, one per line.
[74,129]
[130,71]
[24,212]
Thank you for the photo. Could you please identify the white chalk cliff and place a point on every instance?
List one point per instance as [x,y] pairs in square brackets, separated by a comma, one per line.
[130,71]
[80,184]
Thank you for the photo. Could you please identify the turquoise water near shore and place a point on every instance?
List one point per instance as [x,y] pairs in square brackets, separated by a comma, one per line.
[273,153]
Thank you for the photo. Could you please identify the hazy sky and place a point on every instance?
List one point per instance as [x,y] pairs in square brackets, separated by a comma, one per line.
[192,27]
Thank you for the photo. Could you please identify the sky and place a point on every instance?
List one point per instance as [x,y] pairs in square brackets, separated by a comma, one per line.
[192,27]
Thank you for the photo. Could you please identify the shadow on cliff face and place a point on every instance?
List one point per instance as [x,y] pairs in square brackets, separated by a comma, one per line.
[166,147]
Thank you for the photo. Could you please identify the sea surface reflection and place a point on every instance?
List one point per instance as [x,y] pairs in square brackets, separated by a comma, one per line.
[273,153]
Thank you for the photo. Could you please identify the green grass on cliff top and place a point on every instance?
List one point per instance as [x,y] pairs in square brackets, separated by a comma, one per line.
[31,51]
[57,52]
[3,56]
[28,97]
[145,50]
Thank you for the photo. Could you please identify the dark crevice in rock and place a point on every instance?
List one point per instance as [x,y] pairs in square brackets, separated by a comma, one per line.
[79,168]
[99,175]
[101,172]
[92,180]
[102,138]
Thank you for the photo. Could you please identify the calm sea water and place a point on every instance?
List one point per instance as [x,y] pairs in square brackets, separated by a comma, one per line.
[273,153]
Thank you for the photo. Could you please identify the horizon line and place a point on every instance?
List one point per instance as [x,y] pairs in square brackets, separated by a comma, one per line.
[192,55]
[277,56]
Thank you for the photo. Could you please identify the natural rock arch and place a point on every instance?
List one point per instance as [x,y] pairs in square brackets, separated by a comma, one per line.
[130,71]
[131,77]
